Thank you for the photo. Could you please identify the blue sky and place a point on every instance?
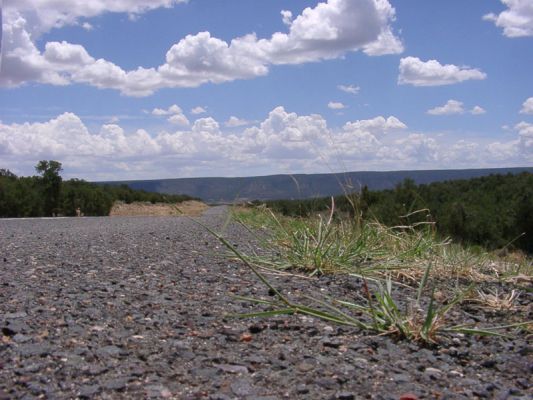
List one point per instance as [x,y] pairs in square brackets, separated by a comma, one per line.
[140,89]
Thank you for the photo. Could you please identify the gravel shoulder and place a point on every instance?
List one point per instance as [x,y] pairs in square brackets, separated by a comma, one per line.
[136,307]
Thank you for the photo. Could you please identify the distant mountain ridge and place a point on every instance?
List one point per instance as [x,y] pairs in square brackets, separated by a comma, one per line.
[300,186]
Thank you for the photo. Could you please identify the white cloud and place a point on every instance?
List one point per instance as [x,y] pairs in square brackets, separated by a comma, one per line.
[525,132]
[87,26]
[284,142]
[519,149]
[159,112]
[335,105]
[417,147]
[198,110]
[67,55]
[451,107]
[516,20]
[234,122]
[178,119]
[416,72]
[175,114]
[376,126]
[286,16]
[329,30]
[527,106]
[173,109]
[387,43]
[477,110]
[50,14]
[463,153]
[349,89]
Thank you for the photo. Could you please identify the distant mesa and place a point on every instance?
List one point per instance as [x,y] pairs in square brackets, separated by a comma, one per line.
[301,186]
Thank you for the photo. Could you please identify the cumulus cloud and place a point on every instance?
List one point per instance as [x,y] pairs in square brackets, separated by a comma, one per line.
[525,132]
[451,107]
[198,110]
[416,72]
[520,149]
[527,106]
[329,30]
[234,122]
[174,113]
[283,142]
[50,14]
[352,89]
[477,110]
[335,105]
[87,26]
[178,119]
[516,20]
[286,16]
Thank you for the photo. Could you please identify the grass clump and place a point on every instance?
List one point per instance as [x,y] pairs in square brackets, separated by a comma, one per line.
[333,244]
[382,258]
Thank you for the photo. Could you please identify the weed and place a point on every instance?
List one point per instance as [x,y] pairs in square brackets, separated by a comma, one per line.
[373,253]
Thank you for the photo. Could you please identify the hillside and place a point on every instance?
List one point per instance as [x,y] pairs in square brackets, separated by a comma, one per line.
[300,186]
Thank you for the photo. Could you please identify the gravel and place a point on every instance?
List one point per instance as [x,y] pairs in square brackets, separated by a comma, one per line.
[137,307]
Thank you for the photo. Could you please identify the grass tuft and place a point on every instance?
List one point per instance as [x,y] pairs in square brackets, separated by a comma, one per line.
[382,257]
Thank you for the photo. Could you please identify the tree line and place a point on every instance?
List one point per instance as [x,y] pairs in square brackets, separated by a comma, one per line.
[495,211]
[47,194]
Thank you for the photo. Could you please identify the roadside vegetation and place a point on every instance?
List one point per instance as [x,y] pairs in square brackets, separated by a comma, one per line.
[47,194]
[493,212]
[413,280]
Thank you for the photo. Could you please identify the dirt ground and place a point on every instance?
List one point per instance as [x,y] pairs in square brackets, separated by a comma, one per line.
[137,209]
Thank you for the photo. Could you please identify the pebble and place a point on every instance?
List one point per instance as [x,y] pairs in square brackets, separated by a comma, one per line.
[115,384]
[89,391]
[345,396]
[242,387]
[433,372]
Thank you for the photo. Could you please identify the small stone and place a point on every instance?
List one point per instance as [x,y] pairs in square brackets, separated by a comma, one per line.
[32,368]
[4,395]
[207,373]
[305,366]
[360,362]
[35,388]
[233,369]
[481,393]
[326,383]
[115,384]
[109,351]
[157,391]
[408,396]
[246,337]
[523,383]
[345,396]
[219,396]
[15,326]
[302,389]
[38,349]
[399,378]
[433,372]
[89,391]
[15,315]
[333,343]
[256,328]
[242,387]
[20,338]
[488,363]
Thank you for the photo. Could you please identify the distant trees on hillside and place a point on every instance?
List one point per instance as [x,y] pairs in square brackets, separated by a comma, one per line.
[491,211]
[48,194]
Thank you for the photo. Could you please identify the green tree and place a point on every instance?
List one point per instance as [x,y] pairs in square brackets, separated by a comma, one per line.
[50,181]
